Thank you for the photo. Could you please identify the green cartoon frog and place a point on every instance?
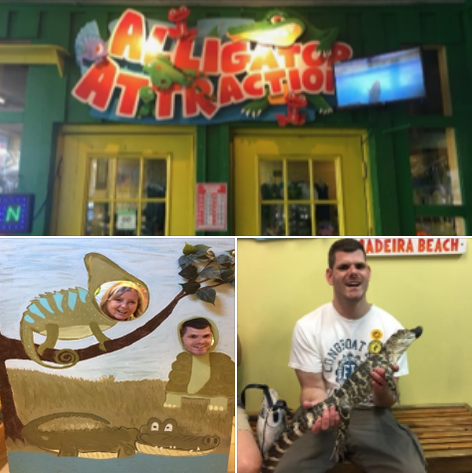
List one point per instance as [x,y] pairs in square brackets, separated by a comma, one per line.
[163,75]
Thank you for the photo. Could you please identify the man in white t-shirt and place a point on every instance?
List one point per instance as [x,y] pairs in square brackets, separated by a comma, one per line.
[327,345]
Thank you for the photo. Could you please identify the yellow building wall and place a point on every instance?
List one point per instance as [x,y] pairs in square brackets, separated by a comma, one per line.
[279,281]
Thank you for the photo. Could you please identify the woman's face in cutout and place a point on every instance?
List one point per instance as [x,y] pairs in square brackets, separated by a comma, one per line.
[122,307]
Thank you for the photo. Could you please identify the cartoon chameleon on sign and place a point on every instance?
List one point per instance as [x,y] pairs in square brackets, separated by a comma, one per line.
[73,314]
[164,76]
[280,29]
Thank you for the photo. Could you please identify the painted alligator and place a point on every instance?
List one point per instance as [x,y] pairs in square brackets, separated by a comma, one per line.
[167,438]
[91,436]
[100,442]
[71,314]
[355,390]
[281,29]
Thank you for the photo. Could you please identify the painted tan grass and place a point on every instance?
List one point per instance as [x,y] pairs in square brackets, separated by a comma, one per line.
[122,403]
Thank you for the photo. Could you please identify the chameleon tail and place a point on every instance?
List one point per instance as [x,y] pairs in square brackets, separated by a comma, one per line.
[64,358]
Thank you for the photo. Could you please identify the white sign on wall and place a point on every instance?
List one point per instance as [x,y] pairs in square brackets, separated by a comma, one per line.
[413,246]
[126,220]
[211,206]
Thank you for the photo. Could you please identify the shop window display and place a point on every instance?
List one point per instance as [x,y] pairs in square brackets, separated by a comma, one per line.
[305,203]
[10,147]
[127,196]
[434,170]
[441,226]
[436,182]
[12,87]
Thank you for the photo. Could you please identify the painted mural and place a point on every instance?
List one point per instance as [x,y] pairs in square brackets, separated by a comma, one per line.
[217,70]
[117,354]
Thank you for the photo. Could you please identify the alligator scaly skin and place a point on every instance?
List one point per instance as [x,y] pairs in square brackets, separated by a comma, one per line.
[355,390]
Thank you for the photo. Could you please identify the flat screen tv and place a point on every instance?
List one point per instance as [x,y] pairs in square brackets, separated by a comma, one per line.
[379,79]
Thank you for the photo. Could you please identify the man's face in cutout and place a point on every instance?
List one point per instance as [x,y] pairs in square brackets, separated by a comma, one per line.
[197,341]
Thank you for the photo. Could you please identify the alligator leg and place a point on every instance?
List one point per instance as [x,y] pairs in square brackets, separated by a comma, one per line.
[320,103]
[52,334]
[126,450]
[341,434]
[218,404]
[391,382]
[69,451]
[173,400]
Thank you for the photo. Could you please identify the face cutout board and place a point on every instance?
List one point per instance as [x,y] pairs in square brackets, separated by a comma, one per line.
[94,373]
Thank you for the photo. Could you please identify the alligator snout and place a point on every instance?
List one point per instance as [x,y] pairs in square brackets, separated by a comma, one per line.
[418,331]
[211,441]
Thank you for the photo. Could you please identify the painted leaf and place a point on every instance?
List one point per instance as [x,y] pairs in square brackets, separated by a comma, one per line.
[189,249]
[185,261]
[189,272]
[211,272]
[224,259]
[206,294]
[227,274]
[202,248]
[191,287]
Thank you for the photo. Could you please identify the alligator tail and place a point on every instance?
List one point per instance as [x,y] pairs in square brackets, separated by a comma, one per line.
[31,428]
[64,358]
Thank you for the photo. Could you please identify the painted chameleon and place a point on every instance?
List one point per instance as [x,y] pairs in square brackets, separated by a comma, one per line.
[355,390]
[281,29]
[71,314]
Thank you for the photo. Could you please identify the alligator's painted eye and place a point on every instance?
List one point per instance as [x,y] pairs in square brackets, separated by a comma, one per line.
[183,8]
[277,19]
[168,428]
[155,426]
[172,12]
[291,95]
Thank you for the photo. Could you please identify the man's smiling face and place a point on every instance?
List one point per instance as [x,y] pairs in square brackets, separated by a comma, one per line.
[197,341]
[349,277]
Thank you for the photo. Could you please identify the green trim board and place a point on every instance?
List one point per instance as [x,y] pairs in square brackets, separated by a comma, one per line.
[27,54]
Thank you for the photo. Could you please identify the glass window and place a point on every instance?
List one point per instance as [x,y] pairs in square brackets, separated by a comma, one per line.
[12,87]
[434,170]
[299,197]
[10,146]
[441,226]
[127,196]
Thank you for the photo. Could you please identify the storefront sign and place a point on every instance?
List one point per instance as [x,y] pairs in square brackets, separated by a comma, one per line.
[413,246]
[211,207]
[152,71]
[16,213]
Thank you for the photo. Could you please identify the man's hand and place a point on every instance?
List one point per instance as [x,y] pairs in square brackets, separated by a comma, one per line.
[329,420]
[382,394]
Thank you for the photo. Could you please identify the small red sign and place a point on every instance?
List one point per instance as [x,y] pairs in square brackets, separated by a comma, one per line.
[211,209]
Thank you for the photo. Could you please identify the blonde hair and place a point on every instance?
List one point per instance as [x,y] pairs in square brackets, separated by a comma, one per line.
[119,288]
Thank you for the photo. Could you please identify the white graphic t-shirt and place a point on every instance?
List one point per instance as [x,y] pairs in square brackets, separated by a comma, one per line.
[326,342]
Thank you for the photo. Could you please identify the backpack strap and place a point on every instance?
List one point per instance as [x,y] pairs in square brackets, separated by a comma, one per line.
[264,388]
